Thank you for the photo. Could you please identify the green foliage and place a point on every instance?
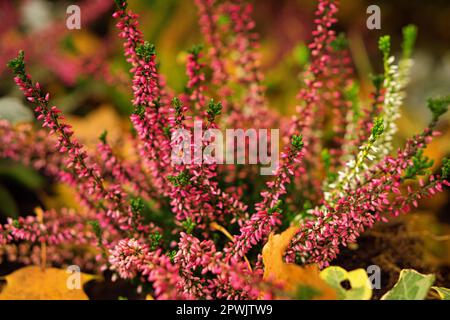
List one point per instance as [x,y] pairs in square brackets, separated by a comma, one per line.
[411,285]
[103,136]
[409,39]
[17,65]
[16,223]
[139,110]
[378,128]
[384,44]
[121,4]
[213,110]
[326,158]
[223,20]
[446,168]
[188,225]
[276,208]
[420,166]
[171,255]
[306,293]
[98,231]
[340,43]
[377,81]
[297,142]
[178,106]
[351,94]
[137,205]
[145,51]
[166,130]
[438,106]
[155,240]
[196,49]
[181,180]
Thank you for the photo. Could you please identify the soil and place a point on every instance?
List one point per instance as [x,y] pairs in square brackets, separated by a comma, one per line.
[391,246]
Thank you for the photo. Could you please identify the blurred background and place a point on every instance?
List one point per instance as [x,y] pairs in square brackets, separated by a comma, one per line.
[87,75]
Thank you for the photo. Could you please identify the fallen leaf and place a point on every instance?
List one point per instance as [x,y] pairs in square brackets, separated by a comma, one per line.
[33,283]
[90,127]
[63,196]
[411,285]
[361,288]
[443,293]
[303,282]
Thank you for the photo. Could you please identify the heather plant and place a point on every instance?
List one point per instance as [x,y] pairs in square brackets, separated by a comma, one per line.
[196,230]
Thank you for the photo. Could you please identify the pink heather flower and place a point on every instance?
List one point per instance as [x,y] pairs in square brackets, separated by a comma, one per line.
[66,226]
[128,258]
[131,258]
[268,211]
[62,64]
[196,79]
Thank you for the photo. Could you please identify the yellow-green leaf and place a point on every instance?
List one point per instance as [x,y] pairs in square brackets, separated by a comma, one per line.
[443,293]
[361,288]
[411,285]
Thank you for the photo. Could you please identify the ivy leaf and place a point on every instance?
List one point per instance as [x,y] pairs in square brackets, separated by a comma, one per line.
[411,285]
[33,283]
[361,288]
[443,293]
[300,282]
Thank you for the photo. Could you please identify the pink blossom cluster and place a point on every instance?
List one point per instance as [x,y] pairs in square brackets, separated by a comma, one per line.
[59,61]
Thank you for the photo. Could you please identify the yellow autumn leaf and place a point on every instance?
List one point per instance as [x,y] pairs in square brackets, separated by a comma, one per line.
[297,281]
[33,283]
[443,293]
[90,127]
[63,196]
[85,43]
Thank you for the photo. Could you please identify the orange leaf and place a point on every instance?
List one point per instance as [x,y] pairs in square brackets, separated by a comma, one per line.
[292,277]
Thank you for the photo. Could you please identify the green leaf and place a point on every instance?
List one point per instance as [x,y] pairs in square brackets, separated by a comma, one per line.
[411,285]
[8,205]
[444,293]
[409,39]
[361,288]
[307,293]
[438,106]
[27,177]
[385,46]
